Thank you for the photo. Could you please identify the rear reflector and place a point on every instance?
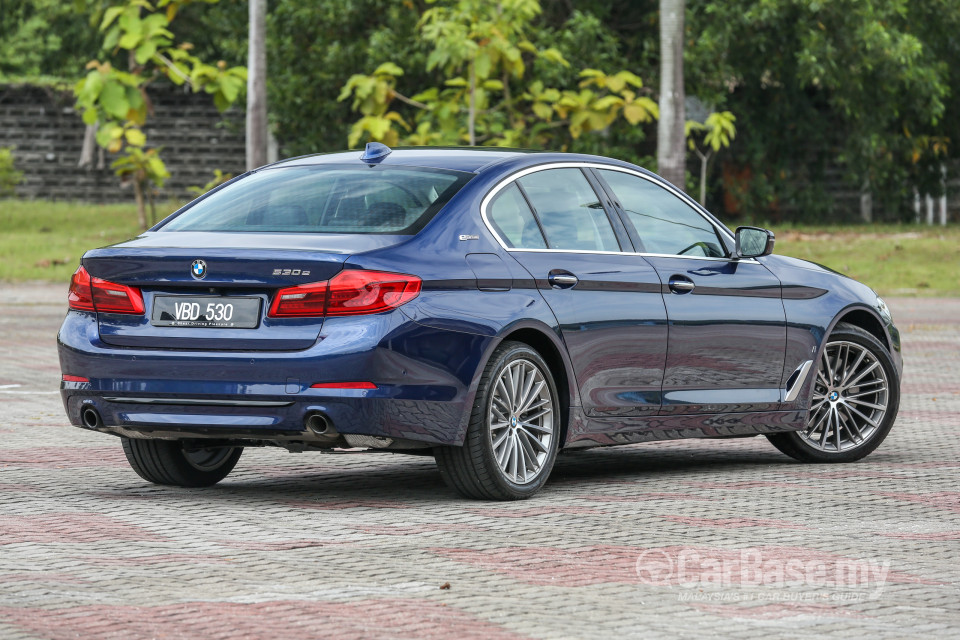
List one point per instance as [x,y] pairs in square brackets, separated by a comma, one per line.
[349,293]
[343,385]
[68,378]
[95,294]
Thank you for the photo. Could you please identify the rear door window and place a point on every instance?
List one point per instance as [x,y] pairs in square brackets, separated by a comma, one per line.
[569,211]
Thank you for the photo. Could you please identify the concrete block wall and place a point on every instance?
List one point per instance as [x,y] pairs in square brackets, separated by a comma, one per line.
[47,134]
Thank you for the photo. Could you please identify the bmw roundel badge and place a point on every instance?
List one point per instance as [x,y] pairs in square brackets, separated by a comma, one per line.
[198,269]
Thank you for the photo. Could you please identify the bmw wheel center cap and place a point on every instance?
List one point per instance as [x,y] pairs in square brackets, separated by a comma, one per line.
[198,269]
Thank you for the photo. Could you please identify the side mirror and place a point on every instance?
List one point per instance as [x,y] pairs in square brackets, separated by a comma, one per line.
[754,242]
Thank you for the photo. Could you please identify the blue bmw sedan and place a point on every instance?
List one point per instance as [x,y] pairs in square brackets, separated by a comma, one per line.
[490,307]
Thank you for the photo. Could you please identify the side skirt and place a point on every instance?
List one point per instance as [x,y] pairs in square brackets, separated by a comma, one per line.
[599,432]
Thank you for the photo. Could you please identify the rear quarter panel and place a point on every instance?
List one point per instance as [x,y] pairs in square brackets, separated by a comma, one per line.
[451,299]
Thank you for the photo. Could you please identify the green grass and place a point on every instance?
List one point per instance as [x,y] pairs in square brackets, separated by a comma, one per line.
[896,260]
[44,241]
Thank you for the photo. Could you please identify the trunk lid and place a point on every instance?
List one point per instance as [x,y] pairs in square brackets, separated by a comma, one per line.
[238,269]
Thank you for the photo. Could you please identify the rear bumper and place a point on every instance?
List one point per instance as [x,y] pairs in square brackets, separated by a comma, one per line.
[424,379]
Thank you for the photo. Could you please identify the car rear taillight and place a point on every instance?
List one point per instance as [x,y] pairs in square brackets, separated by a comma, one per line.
[348,293]
[95,294]
[80,297]
[303,301]
[360,292]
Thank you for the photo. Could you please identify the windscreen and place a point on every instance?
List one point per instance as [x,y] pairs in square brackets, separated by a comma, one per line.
[325,199]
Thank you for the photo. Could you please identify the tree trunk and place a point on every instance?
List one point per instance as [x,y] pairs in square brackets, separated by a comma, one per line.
[89,146]
[943,195]
[257,86]
[472,113]
[866,202]
[153,208]
[671,150]
[141,205]
[704,161]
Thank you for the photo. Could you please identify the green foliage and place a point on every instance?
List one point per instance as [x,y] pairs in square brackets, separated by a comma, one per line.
[720,130]
[139,165]
[862,84]
[717,131]
[43,38]
[9,176]
[112,97]
[315,46]
[116,100]
[869,86]
[487,95]
[219,177]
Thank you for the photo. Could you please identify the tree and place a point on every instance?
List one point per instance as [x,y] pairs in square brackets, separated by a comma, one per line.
[718,132]
[43,39]
[486,96]
[9,176]
[863,86]
[671,153]
[257,86]
[116,101]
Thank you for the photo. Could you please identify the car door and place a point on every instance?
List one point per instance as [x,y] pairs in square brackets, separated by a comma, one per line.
[727,327]
[607,301]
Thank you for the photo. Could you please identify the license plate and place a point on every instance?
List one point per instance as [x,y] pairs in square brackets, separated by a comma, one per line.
[216,312]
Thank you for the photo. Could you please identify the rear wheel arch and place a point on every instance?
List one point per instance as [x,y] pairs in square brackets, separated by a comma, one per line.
[547,343]
[498,467]
[549,351]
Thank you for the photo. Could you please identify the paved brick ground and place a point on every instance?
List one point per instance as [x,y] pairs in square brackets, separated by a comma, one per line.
[685,539]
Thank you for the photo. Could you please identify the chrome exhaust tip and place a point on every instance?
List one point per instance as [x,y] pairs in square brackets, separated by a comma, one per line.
[90,418]
[320,425]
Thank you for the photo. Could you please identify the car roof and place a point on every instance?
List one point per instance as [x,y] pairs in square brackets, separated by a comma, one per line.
[471,159]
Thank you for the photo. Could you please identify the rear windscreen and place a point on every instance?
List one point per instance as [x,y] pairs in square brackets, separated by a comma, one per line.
[325,199]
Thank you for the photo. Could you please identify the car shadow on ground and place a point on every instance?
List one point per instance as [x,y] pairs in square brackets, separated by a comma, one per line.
[378,478]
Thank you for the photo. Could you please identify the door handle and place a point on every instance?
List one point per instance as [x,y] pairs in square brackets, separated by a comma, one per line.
[681,284]
[562,280]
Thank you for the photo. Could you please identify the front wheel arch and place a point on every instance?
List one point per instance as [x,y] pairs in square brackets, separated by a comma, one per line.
[794,444]
[866,320]
[857,315]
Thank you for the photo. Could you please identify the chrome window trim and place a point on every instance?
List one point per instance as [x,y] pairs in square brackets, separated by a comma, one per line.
[597,165]
[631,253]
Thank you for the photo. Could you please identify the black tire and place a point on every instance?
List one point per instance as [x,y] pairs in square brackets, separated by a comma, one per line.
[170,462]
[795,445]
[472,470]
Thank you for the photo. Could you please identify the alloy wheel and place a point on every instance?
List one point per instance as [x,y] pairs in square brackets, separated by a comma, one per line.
[850,398]
[520,419]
